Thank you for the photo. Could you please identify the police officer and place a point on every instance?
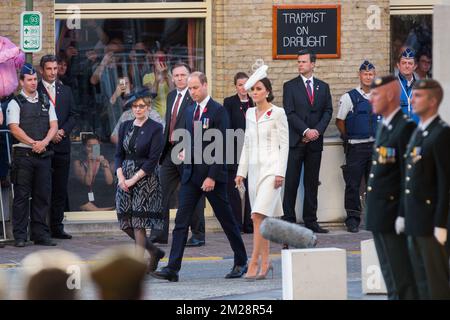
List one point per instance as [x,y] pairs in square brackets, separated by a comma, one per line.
[357,125]
[406,78]
[33,124]
[426,193]
[384,188]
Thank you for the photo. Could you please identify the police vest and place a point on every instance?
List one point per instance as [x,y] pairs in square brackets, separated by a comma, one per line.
[406,92]
[361,122]
[34,117]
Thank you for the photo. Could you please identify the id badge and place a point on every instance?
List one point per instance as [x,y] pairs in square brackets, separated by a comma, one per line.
[91,197]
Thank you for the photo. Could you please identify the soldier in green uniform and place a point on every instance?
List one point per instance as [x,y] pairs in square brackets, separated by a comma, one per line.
[426,193]
[384,189]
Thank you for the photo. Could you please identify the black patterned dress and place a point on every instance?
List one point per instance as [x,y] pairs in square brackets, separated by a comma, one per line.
[141,207]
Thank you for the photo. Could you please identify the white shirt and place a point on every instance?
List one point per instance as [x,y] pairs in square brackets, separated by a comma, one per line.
[311,84]
[13,113]
[203,105]
[386,121]
[345,106]
[183,93]
[51,89]
[423,125]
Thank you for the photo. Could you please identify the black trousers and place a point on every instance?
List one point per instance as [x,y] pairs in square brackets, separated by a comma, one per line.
[189,196]
[170,176]
[396,267]
[243,218]
[302,157]
[431,267]
[358,159]
[32,178]
[60,178]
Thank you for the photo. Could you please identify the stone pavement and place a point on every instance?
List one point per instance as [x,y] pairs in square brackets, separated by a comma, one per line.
[201,276]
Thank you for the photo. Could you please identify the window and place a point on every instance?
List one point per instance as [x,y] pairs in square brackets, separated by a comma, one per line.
[104,62]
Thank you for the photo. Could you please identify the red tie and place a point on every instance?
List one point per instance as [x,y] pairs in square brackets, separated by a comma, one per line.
[310,92]
[197,113]
[173,119]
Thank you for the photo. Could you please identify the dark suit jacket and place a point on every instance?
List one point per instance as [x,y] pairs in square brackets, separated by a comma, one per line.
[302,115]
[217,117]
[149,144]
[427,181]
[385,180]
[237,121]
[65,111]
[171,97]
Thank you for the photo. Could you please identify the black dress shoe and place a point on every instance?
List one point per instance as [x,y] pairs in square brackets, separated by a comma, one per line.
[19,243]
[61,235]
[45,242]
[165,274]
[316,228]
[236,272]
[192,242]
[154,238]
[154,260]
[352,228]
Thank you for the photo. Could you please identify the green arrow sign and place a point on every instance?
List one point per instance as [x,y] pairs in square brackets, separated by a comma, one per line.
[31,31]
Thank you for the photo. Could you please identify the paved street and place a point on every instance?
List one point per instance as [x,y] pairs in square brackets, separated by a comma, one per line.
[203,269]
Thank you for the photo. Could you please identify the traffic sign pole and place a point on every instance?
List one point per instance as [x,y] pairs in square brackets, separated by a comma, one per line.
[29,5]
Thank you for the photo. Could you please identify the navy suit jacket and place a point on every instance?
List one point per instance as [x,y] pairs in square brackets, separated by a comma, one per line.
[65,111]
[148,144]
[171,97]
[216,117]
[302,115]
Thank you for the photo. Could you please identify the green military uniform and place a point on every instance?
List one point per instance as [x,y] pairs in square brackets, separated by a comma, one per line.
[383,203]
[426,202]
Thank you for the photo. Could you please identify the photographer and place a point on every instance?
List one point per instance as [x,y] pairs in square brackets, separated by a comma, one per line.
[93,173]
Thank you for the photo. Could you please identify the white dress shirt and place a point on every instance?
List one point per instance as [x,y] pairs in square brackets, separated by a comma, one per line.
[312,90]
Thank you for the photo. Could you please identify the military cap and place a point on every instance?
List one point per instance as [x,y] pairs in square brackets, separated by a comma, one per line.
[366,66]
[426,84]
[27,68]
[408,53]
[381,81]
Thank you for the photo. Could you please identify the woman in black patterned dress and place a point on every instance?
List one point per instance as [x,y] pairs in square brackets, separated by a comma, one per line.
[139,193]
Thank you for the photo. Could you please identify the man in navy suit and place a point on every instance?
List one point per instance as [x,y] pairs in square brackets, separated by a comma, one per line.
[62,98]
[308,105]
[200,176]
[170,173]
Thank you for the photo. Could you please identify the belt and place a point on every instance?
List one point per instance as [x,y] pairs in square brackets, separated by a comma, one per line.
[28,152]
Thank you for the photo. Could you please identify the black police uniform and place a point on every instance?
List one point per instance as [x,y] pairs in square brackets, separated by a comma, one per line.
[426,202]
[31,173]
[383,203]
[360,123]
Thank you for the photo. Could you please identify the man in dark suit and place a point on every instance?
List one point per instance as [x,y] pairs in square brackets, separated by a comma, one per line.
[308,106]
[237,106]
[170,173]
[426,193]
[383,203]
[204,173]
[62,98]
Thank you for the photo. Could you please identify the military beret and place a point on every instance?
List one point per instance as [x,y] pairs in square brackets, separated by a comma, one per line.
[366,66]
[381,81]
[426,84]
[408,53]
[27,68]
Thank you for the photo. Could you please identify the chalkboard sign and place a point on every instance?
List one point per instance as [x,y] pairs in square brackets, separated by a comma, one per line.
[316,27]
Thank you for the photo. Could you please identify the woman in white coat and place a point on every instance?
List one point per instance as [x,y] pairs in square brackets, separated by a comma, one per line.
[264,159]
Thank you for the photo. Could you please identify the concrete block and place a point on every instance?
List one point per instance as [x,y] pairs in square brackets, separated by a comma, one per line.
[314,274]
[371,277]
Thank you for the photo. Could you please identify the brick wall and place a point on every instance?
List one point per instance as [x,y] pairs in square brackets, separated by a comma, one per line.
[10,11]
[242,33]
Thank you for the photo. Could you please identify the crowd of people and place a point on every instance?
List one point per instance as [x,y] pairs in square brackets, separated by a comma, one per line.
[390,128]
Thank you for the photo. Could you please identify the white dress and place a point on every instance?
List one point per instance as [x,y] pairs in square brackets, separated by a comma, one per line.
[264,156]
